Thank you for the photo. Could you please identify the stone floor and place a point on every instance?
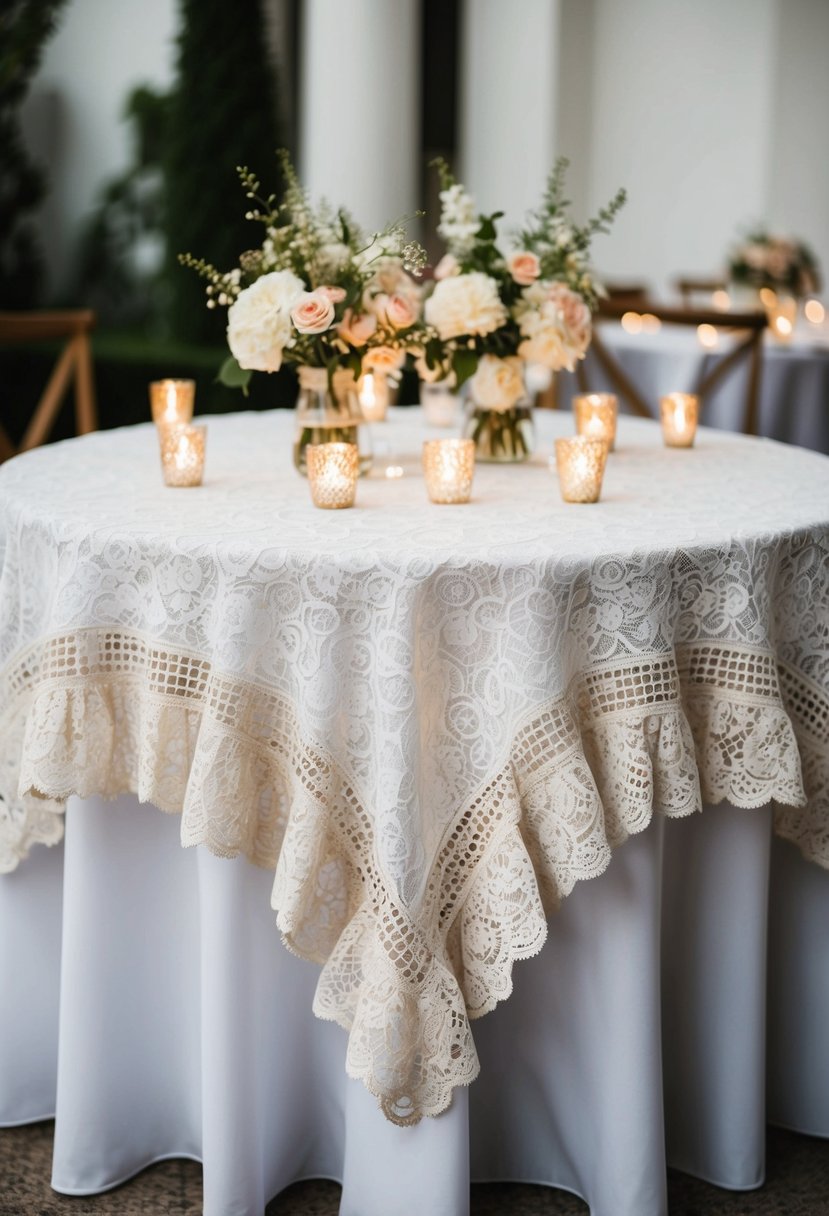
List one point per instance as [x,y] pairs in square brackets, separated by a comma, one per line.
[797,1184]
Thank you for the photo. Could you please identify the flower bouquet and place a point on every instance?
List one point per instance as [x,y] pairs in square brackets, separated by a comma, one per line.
[489,313]
[779,264]
[321,295]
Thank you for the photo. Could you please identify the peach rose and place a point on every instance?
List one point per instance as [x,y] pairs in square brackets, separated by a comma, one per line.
[399,312]
[524,267]
[383,359]
[574,313]
[313,313]
[335,294]
[357,327]
[446,267]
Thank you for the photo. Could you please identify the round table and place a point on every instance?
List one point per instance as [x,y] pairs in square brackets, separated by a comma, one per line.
[430,722]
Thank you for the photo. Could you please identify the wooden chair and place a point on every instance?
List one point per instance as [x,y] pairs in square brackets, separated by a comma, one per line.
[688,287]
[746,327]
[74,361]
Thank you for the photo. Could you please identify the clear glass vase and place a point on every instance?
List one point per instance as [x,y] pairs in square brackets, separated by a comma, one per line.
[502,436]
[329,413]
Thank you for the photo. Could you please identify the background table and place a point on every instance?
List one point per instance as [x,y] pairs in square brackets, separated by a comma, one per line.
[794,389]
[411,710]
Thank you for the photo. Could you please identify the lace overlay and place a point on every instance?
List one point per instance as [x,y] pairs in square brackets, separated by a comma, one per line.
[431,749]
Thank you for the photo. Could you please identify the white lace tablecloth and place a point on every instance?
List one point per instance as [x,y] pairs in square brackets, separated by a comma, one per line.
[430,721]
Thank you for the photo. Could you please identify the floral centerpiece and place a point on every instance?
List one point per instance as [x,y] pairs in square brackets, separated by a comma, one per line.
[491,312]
[779,264]
[320,294]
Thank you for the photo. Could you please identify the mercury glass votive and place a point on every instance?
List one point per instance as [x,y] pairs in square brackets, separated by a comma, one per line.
[171,401]
[333,469]
[182,454]
[449,466]
[580,462]
[596,415]
[679,413]
[373,391]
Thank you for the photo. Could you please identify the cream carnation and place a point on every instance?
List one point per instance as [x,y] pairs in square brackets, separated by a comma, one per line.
[498,383]
[313,313]
[259,320]
[465,304]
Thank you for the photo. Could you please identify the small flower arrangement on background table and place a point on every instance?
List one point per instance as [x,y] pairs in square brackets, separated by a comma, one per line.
[779,264]
[322,295]
[490,312]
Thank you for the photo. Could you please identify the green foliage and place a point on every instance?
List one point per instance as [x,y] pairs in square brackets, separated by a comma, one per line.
[222,112]
[25,25]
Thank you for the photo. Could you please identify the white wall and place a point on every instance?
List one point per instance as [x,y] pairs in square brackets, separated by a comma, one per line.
[681,116]
[73,114]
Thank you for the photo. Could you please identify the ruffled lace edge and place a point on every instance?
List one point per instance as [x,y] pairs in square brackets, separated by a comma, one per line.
[506,864]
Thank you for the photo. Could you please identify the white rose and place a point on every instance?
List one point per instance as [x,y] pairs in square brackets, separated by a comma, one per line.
[465,304]
[498,383]
[259,321]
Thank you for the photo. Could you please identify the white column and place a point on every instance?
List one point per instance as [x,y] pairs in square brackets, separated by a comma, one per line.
[509,61]
[359,123]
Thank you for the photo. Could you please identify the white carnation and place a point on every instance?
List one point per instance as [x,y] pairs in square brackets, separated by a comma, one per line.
[259,321]
[465,304]
[498,383]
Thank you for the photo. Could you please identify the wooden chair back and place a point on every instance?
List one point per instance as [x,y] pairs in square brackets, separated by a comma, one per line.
[74,362]
[747,327]
[688,287]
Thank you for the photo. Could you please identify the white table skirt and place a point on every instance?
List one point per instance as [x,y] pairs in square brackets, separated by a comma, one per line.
[182,1027]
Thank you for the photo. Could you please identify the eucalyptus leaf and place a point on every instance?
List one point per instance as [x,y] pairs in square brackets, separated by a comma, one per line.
[234,376]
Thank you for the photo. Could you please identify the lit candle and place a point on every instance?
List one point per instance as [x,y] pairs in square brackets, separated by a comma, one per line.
[782,315]
[815,312]
[182,454]
[333,469]
[373,391]
[171,401]
[596,415]
[449,466]
[440,403]
[679,413]
[707,336]
[580,462]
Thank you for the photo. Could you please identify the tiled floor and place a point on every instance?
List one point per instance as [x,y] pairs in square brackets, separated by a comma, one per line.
[797,1184]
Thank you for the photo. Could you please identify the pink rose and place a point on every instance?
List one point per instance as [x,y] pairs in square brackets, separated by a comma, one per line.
[399,312]
[357,327]
[524,267]
[446,267]
[313,313]
[574,313]
[335,294]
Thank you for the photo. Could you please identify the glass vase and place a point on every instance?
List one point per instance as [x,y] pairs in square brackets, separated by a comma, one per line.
[329,413]
[502,436]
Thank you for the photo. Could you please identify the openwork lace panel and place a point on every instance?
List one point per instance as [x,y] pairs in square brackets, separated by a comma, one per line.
[429,735]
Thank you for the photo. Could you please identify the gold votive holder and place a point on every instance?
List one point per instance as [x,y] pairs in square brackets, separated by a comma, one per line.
[449,466]
[171,401]
[580,462]
[373,391]
[333,469]
[182,454]
[679,413]
[596,415]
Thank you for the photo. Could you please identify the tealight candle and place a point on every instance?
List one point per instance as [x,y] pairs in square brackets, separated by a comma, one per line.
[596,415]
[171,401]
[182,454]
[449,466]
[782,314]
[814,312]
[333,469]
[580,462]
[440,403]
[679,413]
[373,391]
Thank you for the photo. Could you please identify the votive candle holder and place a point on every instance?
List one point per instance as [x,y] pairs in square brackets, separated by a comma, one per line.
[596,415]
[182,454]
[373,392]
[581,462]
[333,469]
[449,467]
[679,413]
[171,401]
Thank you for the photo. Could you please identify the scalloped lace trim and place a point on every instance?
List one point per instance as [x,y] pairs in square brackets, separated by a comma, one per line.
[107,713]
